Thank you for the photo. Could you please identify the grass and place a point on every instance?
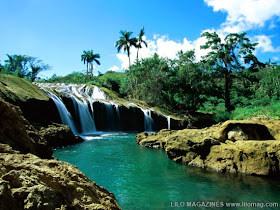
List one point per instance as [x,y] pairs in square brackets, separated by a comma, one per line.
[15,88]
[272,111]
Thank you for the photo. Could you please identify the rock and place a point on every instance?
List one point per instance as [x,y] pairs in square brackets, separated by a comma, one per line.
[34,103]
[249,157]
[17,132]
[214,149]
[237,134]
[58,135]
[28,182]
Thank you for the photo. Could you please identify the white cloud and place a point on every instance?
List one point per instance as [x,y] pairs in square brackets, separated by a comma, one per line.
[275,58]
[165,48]
[264,44]
[245,14]
[114,68]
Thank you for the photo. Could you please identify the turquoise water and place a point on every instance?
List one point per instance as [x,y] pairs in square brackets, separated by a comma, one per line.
[144,178]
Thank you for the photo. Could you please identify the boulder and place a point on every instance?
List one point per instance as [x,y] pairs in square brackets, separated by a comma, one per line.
[28,182]
[58,135]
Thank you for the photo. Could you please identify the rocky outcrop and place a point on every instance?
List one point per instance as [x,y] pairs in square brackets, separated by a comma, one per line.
[28,182]
[58,135]
[252,148]
[17,132]
[34,103]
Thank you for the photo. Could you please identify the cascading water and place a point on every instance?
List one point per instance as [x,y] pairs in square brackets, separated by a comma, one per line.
[168,123]
[118,117]
[98,94]
[110,116]
[65,116]
[90,104]
[86,120]
[148,120]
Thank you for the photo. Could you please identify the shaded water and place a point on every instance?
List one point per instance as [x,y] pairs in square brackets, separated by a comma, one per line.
[145,178]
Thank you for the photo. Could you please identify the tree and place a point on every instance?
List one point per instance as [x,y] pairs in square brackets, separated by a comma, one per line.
[93,57]
[18,64]
[140,41]
[88,57]
[24,66]
[36,67]
[126,42]
[85,58]
[227,56]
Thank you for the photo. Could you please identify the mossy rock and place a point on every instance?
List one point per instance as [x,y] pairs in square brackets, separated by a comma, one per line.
[17,89]
[35,104]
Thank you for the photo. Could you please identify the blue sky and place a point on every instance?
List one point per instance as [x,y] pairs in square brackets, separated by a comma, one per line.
[57,31]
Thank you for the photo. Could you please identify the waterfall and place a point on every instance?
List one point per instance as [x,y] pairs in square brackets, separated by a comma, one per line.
[65,116]
[118,117]
[90,104]
[109,116]
[148,120]
[86,120]
[98,93]
[168,123]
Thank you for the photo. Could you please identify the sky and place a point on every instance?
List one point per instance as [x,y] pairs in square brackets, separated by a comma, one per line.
[58,31]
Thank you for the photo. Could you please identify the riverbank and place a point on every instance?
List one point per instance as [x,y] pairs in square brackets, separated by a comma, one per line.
[250,147]
[31,178]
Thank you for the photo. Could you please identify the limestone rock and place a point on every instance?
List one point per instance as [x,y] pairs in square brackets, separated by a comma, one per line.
[213,147]
[17,132]
[28,182]
[58,135]
[237,134]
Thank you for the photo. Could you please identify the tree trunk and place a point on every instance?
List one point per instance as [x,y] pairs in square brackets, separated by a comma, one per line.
[227,91]
[128,54]
[137,53]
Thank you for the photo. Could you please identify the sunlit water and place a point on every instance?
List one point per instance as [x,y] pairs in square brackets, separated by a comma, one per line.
[145,178]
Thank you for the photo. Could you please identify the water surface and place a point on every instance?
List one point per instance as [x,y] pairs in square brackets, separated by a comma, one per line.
[144,178]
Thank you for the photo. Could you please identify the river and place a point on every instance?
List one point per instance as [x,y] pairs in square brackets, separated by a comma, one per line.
[144,178]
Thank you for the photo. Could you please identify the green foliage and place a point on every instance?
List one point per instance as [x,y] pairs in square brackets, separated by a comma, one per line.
[226,57]
[23,66]
[75,77]
[140,41]
[179,84]
[229,77]
[269,82]
[19,89]
[88,57]
[270,110]
[111,80]
[222,116]
[126,42]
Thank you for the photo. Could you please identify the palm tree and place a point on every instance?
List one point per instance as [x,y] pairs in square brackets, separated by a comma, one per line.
[84,57]
[93,57]
[140,41]
[88,57]
[126,42]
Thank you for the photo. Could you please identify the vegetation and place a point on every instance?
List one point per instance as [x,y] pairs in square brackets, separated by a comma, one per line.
[126,42]
[140,41]
[88,57]
[225,57]
[23,66]
[229,82]
[19,89]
